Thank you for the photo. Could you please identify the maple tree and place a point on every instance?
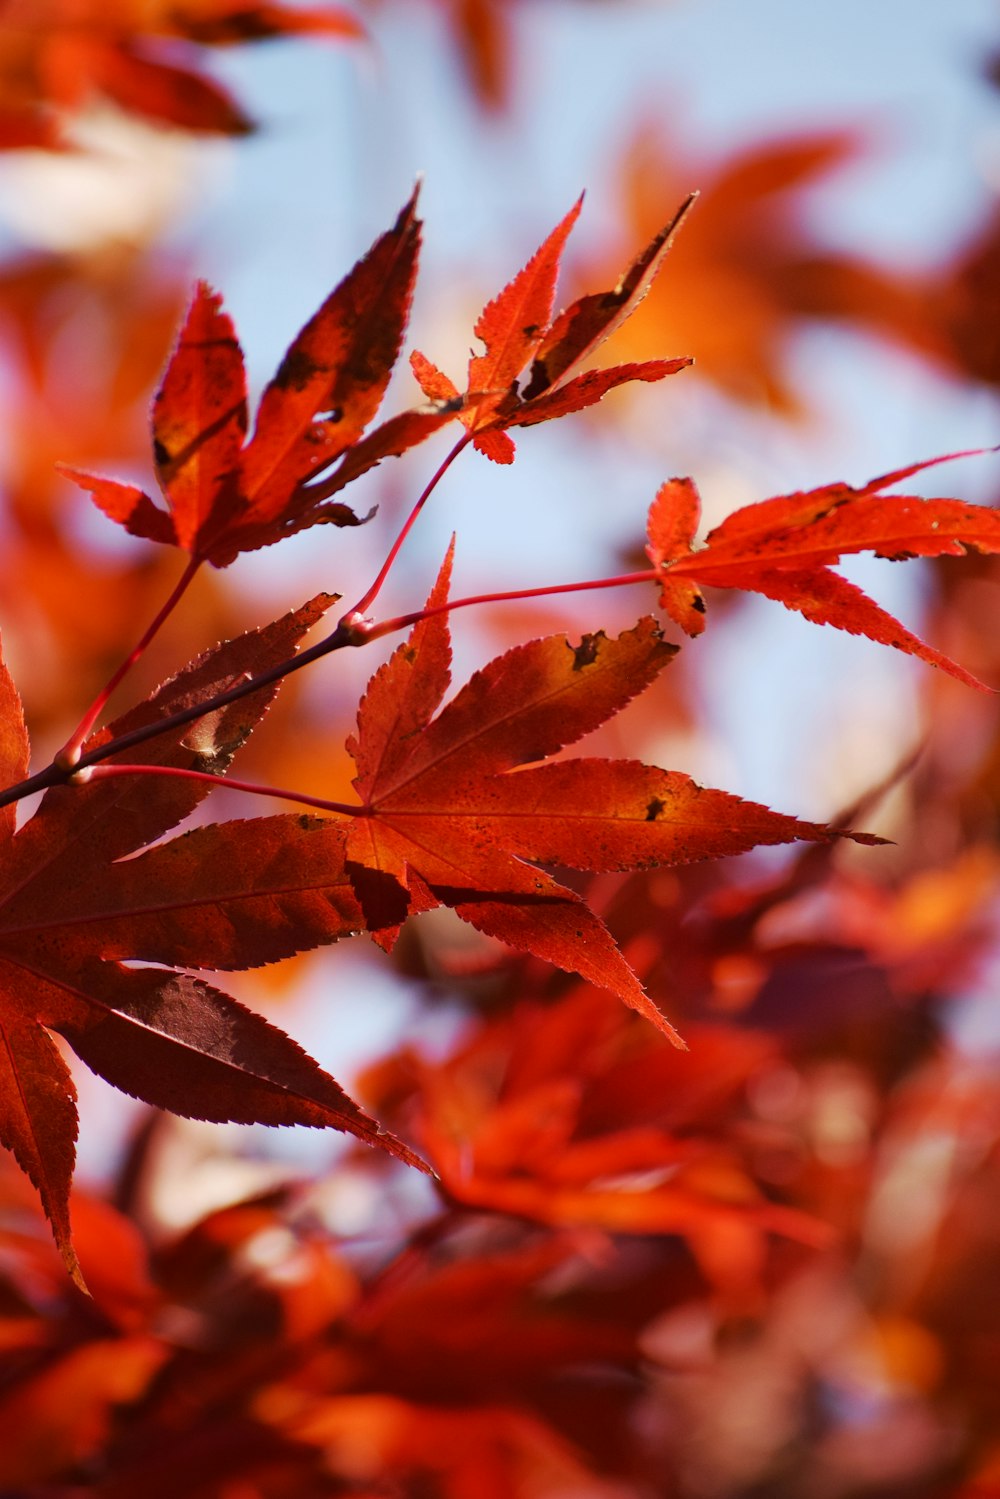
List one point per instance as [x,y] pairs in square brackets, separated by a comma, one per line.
[668,1154]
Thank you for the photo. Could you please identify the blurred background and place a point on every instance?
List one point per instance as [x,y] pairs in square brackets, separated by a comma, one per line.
[764,1268]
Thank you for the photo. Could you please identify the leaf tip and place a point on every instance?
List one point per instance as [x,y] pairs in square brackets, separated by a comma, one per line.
[62,1234]
[669,1031]
[69,1259]
[408,213]
[869,840]
[389,1142]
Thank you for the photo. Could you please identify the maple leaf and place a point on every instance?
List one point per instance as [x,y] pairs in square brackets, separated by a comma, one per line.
[481,34]
[510,1124]
[784,547]
[135,305]
[517,330]
[163,1036]
[450,817]
[55,53]
[749,269]
[229,895]
[225,22]
[226,495]
[965,304]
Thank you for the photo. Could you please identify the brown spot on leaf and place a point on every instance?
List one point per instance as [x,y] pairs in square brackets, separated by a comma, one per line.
[654,808]
[698,603]
[297,370]
[539,380]
[585,654]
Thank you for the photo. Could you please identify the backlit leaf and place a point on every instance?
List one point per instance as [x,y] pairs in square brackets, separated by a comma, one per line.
[784,548]
[518,330]
[225,495]
[454,813]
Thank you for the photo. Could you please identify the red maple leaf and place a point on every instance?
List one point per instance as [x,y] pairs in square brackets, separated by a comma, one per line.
[517,331]
[69,914]
[784,548]
[227,495]
[511,1125]
[454,813]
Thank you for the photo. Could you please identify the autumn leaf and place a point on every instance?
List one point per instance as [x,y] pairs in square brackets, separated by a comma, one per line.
[965,302]
[134,304]
[226,22]
[226,495]
[54,54]
[511,1125]
[749,270]
[155,88]
[784,548]
[124,815]
[481,37]
[229,895]
[163,1036]
[61,1416]
[453,813]
[516,330]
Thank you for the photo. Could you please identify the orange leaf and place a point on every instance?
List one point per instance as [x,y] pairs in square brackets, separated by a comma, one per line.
[783,548]
[159,91]
[56,53]
[748,269]
[13,745]
[200,416]
[452,814]
[512,325]
[516,327]
[585,325]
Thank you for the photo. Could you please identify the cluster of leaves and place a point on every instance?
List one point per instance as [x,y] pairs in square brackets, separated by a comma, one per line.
[624,1232]
[453,805]
[761,1265]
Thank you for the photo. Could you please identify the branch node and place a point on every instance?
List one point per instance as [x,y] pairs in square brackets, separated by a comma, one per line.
[355,628]
[68,756]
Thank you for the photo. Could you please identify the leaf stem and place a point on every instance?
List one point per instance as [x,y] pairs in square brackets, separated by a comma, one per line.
[349,632]
[56,774]
[69,755]
[404,621]
[367,599]
[108,772]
